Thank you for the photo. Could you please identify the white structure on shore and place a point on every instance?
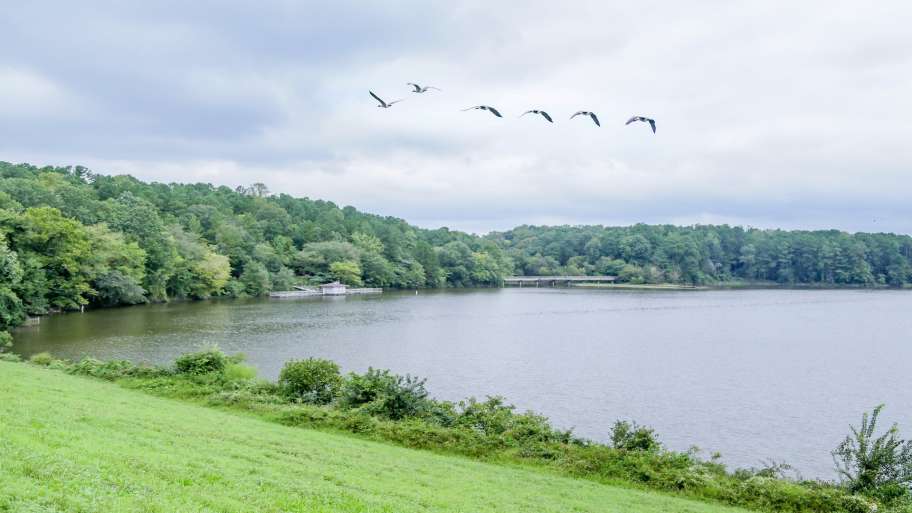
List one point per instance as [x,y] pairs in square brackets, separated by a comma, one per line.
[333,289]
[327,289]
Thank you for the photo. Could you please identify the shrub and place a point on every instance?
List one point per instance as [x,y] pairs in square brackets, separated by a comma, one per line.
[202,362]
[313,380]
[380,392]
[767,468]
[114,369]
[6,341]
[868,464]
[629,436]
[494,418]
[9,357]
[490,417]
[239,372]
[44,359]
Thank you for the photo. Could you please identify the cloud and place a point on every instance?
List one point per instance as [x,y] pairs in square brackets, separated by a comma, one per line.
[27,95]
[771,114]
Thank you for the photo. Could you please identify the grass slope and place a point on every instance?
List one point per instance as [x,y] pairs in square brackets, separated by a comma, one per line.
[78,445]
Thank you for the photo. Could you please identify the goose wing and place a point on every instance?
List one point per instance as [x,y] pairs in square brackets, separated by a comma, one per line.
[494,111]
[434,88]
[652,123]
[578,113]
[394,101]
[546,116]
[631,120]
[378,98]
[594,118]
[471,108]
[415,86]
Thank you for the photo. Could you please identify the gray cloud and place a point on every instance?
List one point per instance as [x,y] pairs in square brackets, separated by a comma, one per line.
[771,114]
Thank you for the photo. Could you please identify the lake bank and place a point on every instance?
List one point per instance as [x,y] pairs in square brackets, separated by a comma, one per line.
[633,286]
[488,431]
[744,373]
[104,448]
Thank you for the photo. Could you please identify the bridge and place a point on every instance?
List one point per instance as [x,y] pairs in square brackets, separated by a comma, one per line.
[551,281]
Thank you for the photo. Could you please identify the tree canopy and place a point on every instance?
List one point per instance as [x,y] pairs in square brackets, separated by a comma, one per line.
[711,254]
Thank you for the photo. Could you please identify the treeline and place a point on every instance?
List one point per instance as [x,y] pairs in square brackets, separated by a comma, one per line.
[711,254]
[70,238]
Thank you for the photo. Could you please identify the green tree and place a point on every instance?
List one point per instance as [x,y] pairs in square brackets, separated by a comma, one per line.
[140,221]
[116,267]
[367,242]
[348,273]
[12,311]
[62,250]
[283,279]
[256,279]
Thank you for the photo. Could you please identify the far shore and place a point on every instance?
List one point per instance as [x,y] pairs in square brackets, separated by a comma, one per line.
[642,286]
[732,286]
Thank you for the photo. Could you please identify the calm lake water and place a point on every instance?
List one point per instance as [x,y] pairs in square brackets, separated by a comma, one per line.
[752,374]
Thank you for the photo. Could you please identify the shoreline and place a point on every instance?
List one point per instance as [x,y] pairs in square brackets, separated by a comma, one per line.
[515,440]
[731,286]
[634,286]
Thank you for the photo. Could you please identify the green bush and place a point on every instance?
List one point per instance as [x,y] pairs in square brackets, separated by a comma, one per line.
[494,418]
[877,466]
[630,436]
[239,372]
[313,380]
[6,341]
[10,357]
[382,393]
[202,362]
[43,359]
[110,370]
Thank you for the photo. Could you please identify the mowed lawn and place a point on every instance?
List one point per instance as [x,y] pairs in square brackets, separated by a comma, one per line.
[73,444]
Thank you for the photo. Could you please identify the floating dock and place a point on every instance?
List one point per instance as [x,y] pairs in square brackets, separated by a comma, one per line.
[554,281]
[327,289]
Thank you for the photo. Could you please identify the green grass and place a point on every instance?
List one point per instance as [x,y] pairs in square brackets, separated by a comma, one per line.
[74,444]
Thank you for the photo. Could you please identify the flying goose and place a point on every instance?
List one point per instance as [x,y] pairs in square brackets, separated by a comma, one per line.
[419,89]
[651,122]
[383,104]
[543,114]
[492,110]
[587,113]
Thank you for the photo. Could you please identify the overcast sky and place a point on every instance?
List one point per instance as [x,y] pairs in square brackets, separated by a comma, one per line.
[770,114]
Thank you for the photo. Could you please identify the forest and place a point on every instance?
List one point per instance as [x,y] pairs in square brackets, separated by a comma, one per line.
[711,255]
[71,238]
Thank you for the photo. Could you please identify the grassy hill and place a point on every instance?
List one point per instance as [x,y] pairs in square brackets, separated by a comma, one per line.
[69,443]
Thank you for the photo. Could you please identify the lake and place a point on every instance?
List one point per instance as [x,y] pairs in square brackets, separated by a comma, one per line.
[752,374]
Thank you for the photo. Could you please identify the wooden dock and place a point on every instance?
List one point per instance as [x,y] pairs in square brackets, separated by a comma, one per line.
[554,281]
[308,292]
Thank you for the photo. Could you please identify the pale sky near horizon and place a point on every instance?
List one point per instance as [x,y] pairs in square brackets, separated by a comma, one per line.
[769,114]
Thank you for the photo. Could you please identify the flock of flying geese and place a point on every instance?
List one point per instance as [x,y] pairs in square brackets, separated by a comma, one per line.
[423,89]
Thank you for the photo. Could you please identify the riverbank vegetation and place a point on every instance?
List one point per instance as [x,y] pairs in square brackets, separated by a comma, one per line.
[381,406]
[70,239]
[75,444]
